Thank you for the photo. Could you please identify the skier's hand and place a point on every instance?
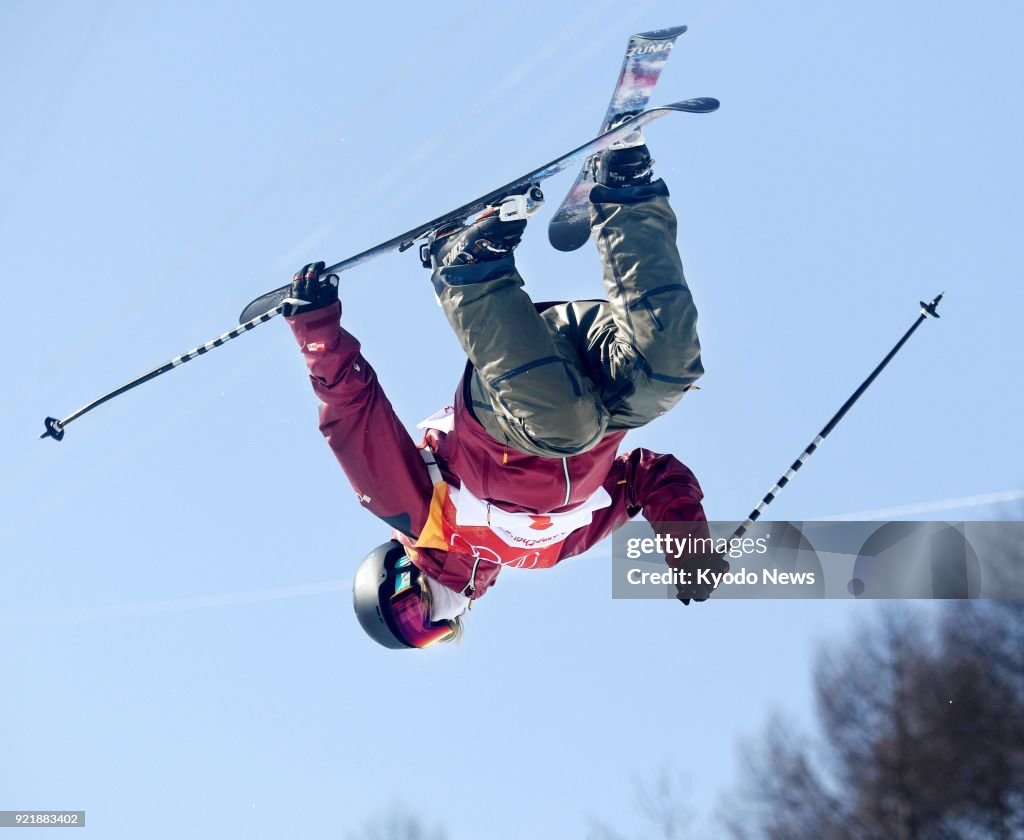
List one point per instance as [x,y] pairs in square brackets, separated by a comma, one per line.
[316,291]
[698,587]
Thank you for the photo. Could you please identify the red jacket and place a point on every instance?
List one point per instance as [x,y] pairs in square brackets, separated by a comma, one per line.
[387,471]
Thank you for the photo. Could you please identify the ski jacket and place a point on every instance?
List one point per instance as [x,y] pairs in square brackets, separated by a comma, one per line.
[390,478]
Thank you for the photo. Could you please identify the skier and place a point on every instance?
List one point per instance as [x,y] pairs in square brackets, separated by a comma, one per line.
[522,470]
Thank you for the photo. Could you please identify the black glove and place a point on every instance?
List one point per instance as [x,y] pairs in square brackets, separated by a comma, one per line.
[695,589]
[316,291]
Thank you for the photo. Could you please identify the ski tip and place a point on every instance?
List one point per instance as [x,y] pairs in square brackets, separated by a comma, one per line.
[671,33]
[567,237]
[54,429]
[699,105]
[263,304]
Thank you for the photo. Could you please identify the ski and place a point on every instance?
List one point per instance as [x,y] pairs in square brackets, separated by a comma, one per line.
[701,105]
[519,197]
[646,54]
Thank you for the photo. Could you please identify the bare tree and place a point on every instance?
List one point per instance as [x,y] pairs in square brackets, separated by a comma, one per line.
[983,706]
[922,722]
[396,825]
[782,794]
[662,805]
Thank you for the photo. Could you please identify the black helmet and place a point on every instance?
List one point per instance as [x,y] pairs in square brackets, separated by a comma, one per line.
[387,594]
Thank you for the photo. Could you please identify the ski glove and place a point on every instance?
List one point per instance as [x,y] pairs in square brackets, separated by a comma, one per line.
[696,587]
[315,291]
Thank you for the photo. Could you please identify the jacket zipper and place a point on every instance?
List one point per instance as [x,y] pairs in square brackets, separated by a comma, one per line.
[471,586]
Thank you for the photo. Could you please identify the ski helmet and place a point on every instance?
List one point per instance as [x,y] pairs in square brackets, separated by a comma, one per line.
[387,596]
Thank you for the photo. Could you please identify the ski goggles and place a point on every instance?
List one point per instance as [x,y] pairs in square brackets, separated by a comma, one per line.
[412,615]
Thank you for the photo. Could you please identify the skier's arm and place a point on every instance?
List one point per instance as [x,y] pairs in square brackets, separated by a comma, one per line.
[660,487]
[371,444]
[668,495]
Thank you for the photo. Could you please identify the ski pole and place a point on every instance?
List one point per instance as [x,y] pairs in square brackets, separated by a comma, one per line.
[55,427]
[927,311]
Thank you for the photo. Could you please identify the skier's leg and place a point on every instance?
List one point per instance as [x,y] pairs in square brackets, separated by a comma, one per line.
[652,355]
[525,392]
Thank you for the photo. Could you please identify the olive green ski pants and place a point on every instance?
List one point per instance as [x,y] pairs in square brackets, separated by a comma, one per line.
[552,381]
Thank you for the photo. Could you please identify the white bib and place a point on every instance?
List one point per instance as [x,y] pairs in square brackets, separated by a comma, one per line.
[525,530]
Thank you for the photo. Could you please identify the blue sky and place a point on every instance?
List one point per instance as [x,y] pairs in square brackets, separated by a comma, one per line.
[175,629]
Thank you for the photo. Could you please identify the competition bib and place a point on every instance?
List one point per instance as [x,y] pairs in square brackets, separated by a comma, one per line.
[460,522]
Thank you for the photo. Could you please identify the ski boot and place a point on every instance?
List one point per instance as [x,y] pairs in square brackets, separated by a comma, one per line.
[626,163]
[490,236]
